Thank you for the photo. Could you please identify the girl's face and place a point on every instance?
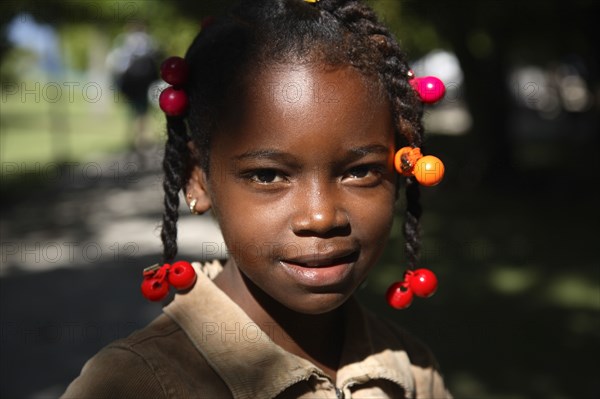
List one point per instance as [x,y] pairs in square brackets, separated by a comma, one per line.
[302,183]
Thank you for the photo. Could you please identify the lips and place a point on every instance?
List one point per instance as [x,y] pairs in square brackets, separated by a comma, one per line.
[319,260]
[321,269]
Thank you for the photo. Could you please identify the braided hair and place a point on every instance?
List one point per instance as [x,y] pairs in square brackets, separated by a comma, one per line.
[265,32]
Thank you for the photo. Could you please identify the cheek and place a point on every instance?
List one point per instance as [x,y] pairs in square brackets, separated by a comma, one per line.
[374,222]
[379,220]
[248,227]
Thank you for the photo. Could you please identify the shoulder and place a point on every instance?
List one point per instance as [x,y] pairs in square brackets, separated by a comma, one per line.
[158,361]
[124,368]
[115,372]
[424,366]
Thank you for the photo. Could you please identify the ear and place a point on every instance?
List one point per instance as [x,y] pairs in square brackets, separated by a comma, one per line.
[197,184]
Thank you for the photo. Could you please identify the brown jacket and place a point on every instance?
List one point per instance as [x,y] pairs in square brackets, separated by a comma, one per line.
[205,346]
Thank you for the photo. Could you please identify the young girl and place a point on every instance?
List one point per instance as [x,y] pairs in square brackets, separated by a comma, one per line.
[284,120]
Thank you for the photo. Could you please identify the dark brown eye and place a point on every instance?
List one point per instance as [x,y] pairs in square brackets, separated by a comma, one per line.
[363,175]
[266,176]
[359,172]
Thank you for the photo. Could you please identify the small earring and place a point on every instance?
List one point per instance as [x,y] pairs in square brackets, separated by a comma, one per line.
[193,210]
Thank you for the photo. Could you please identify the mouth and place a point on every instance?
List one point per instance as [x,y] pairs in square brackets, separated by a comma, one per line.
[321,269]
[323,260]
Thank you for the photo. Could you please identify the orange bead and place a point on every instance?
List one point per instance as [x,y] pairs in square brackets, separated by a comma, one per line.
[429,170]
[405,160]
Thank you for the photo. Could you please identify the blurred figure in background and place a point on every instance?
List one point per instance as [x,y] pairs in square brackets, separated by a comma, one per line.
[133,64]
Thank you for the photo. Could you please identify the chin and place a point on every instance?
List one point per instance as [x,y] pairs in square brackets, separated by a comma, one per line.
[317,303]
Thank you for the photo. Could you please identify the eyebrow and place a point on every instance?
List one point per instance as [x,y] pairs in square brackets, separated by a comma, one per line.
[369,149]
[271,153]
[267,153]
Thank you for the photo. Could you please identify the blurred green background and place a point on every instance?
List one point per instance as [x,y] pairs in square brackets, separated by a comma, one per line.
[510,231]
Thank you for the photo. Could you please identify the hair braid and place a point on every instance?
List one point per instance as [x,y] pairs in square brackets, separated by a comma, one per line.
[407,109]
[174,166]
[411,228]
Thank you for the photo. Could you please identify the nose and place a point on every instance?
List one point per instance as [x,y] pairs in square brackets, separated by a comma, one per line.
[319,212]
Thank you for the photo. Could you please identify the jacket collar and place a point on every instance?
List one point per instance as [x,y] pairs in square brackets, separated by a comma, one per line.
[254,366]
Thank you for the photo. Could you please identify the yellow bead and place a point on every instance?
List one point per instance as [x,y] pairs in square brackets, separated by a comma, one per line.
[429,170]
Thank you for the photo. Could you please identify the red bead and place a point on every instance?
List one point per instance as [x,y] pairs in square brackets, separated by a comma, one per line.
[422,282]
[182,275]
[399,295]
[173,102]
[154,289]
[175,71]
[429,170]
[430,88]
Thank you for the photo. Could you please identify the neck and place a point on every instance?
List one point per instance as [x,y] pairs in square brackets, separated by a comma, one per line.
[317,338]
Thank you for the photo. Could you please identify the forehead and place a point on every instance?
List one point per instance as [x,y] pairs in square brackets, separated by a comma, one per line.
[307,102]
[314,88]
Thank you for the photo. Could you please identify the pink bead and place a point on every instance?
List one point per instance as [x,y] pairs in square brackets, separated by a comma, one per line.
[430,88]
[173,102]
